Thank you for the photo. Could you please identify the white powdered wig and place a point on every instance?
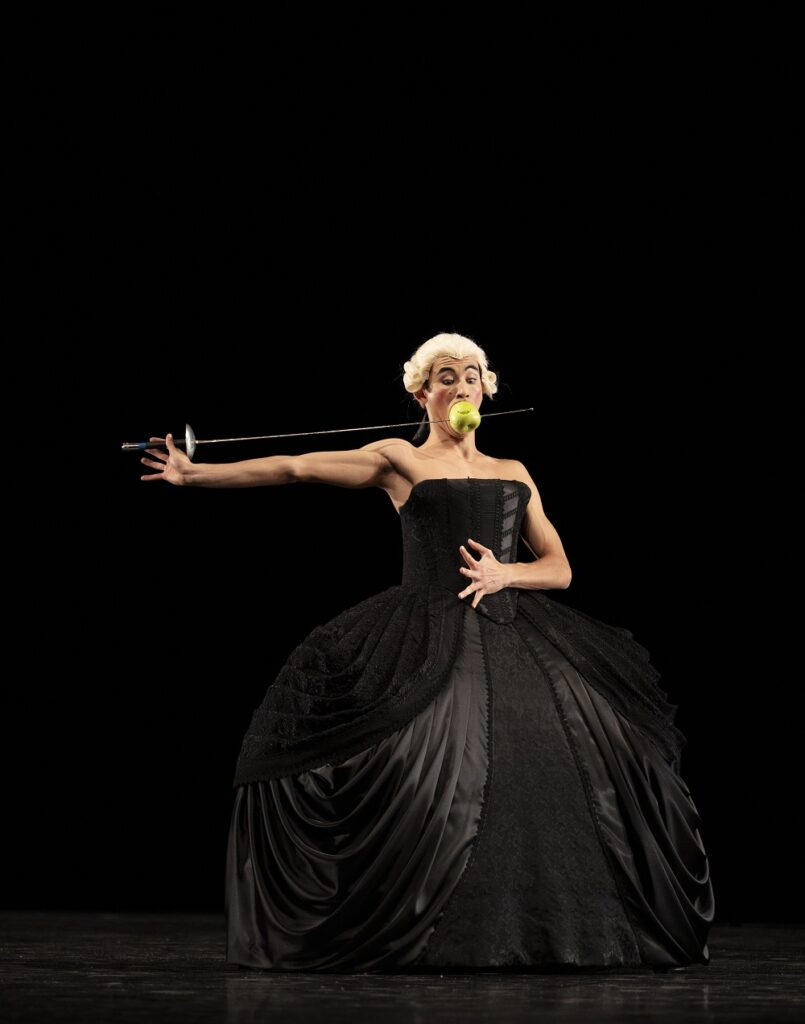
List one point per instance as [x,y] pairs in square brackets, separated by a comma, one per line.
[453,346]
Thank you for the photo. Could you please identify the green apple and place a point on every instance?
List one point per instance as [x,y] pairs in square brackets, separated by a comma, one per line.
[464,417]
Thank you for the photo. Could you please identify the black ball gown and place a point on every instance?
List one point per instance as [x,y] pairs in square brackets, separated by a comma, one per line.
[430,785]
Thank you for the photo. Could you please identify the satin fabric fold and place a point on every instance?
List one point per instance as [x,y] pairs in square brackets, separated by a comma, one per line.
[349,865]
[429,784]
[644,813]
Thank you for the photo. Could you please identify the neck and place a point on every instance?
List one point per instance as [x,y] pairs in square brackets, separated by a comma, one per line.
[454,448]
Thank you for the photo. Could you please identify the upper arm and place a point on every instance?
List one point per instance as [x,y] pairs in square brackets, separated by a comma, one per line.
[538,532]
[369,466]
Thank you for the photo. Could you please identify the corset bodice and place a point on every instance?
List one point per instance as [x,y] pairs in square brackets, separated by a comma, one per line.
[443,513]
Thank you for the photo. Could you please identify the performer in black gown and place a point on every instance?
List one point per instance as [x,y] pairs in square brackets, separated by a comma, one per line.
[460,771]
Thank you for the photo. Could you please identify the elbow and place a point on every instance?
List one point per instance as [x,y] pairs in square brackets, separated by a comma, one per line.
[295,470]
[568,576]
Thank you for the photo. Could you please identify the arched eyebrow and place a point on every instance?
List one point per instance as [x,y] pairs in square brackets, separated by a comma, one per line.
[449,369]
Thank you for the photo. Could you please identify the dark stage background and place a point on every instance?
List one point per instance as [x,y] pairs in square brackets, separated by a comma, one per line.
[250,227]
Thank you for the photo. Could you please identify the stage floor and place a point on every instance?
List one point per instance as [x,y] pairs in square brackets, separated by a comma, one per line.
[168,967]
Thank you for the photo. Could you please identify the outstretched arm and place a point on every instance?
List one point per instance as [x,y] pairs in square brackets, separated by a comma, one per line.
[359,467]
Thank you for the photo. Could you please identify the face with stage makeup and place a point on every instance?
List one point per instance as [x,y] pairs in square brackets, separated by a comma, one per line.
[445,370]
[445,348]
[450,381]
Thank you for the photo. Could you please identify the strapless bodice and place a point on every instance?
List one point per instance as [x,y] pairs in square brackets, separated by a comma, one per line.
[443,513]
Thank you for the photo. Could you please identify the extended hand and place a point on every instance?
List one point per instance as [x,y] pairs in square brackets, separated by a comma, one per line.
[488,575]
[173,464]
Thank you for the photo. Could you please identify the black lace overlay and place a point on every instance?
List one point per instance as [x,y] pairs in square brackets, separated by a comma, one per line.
[427,784]
[442,514]
[368,671]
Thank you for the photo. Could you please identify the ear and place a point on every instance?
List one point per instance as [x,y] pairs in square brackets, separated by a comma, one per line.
[421,396]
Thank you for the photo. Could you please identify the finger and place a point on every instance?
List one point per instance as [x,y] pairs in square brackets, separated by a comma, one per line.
[471,585]
[154,465]
[156,451]
[477,545]
[485,552]
[470,560]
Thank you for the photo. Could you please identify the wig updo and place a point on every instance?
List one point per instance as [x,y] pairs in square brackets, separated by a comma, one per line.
[449,346]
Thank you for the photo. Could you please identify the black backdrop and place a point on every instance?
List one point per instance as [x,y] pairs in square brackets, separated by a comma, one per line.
[249,227]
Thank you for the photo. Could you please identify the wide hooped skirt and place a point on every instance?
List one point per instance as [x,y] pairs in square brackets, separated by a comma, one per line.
[518,821]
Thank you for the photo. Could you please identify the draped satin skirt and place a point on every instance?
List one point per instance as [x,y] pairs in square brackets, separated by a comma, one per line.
[518,821]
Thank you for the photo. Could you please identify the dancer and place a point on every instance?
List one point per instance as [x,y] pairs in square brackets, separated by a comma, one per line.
[460,771]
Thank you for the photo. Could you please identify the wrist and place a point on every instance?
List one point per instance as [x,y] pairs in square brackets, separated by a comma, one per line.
[195,475]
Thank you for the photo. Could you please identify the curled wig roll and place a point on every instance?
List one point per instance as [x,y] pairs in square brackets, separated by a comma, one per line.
[416,370]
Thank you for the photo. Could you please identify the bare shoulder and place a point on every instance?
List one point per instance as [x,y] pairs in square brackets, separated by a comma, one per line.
[394,449]
[398,453]
[513,469]
[385,442]
[406,465]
